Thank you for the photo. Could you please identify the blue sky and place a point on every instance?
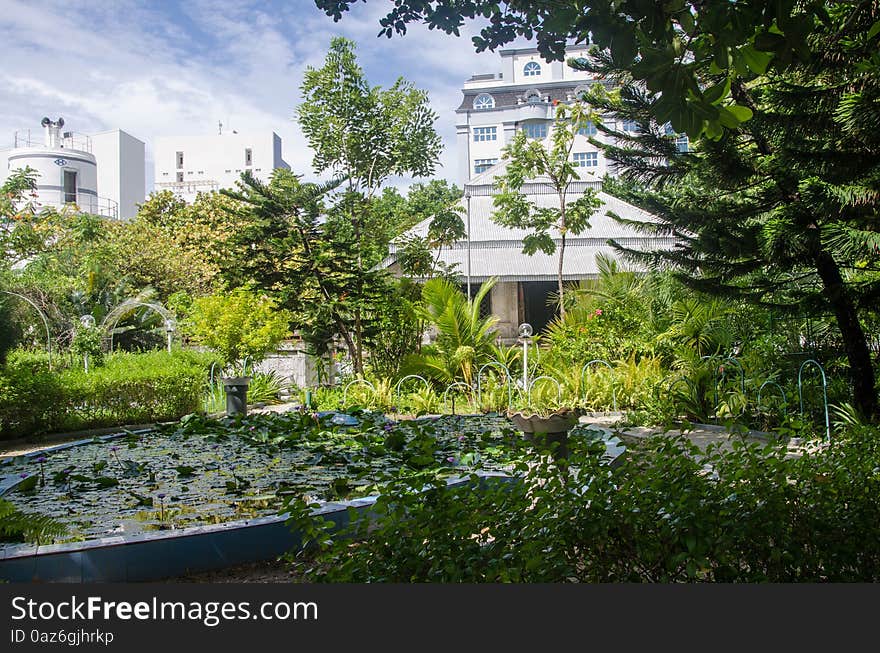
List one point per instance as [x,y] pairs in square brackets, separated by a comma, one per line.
[165,68]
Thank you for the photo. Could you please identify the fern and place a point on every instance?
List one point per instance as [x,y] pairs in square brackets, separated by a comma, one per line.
[18,526]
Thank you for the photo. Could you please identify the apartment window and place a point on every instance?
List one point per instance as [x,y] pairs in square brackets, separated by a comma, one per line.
[586,159]
[481,165]
[179,176]
[588,130]
[484,101]
[164,174]
[248,157]
[533,96]
[179,160]
[532,69]
[535,129]
[69,186]
[229,171]
[630,126]
[682,144]
[485,134]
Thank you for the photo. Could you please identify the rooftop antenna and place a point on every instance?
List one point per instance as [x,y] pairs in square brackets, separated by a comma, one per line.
[220,127]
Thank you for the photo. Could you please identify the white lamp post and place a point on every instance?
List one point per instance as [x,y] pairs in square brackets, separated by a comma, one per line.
[88,322]
[525,336]
[467,197]
[170,327]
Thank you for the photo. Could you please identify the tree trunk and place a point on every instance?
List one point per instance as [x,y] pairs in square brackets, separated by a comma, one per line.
[562,229]
[854,341]
[349,343]
[559,276]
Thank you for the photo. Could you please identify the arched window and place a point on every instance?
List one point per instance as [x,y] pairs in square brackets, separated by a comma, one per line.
[484,101]
[533,95]
[532,69]
[579,91]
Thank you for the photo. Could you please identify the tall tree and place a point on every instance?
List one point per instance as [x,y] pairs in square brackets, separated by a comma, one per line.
[365,134]
[530,161]
[783,209]
[304,257]
[664,45]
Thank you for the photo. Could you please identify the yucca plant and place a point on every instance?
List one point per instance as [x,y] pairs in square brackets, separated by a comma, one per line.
[423,401]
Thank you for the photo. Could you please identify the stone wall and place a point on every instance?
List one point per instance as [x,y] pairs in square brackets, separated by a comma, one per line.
[291,362]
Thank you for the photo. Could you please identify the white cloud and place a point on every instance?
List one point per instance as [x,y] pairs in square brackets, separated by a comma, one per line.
[163,69]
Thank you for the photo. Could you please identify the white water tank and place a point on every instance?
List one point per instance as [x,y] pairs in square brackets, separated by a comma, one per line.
[67,172]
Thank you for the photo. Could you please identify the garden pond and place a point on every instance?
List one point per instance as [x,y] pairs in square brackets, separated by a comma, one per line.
[202,471]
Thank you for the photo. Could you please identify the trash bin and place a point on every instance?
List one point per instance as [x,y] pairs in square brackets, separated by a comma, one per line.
[236,395]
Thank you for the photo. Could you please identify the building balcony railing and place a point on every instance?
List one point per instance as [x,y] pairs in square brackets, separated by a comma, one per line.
[188,187]
[81,202]
[66,140]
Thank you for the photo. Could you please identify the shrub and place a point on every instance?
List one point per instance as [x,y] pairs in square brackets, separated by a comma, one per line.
[127,389]
[237,324]
[668,513]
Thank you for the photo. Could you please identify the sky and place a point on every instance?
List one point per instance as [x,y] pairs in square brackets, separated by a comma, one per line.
[165,68]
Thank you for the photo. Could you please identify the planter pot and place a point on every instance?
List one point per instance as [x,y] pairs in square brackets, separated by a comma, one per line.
[549,431]
[236,394]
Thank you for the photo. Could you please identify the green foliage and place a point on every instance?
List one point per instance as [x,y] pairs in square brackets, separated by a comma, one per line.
[759,516]
[264,388]
[528,160]
[9,331]
[666,47]
[363,134]
[88,341]
[394,329]
[18,526]
[237,324]
[778,210]
[464,339]
[127,389]
[439,204]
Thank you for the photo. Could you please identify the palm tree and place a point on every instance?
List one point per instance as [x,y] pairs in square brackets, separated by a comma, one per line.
[464,338]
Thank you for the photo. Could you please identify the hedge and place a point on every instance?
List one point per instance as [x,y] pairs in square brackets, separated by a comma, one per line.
[127,389]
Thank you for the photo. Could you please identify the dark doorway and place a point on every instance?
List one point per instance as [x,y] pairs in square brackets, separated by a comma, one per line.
[69,186]
[534,300]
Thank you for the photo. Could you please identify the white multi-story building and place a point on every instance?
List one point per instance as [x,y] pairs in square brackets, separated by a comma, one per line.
[188,165]
[521,97]
[100,173]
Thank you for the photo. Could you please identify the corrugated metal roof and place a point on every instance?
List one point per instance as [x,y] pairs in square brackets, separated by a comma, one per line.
[507,261]
[497,250]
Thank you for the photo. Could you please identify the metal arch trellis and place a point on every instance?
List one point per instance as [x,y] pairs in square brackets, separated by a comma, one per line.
[42,317]
[351,383]
[548,378]
[507,380]
[599,361]
[456,384]
[812,361]
[128,305]
[772,384]
[410,376]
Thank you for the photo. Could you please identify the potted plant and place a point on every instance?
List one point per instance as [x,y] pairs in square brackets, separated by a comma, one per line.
[547,427]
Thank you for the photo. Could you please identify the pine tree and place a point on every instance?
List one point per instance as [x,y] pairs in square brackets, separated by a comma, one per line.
[784,208]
